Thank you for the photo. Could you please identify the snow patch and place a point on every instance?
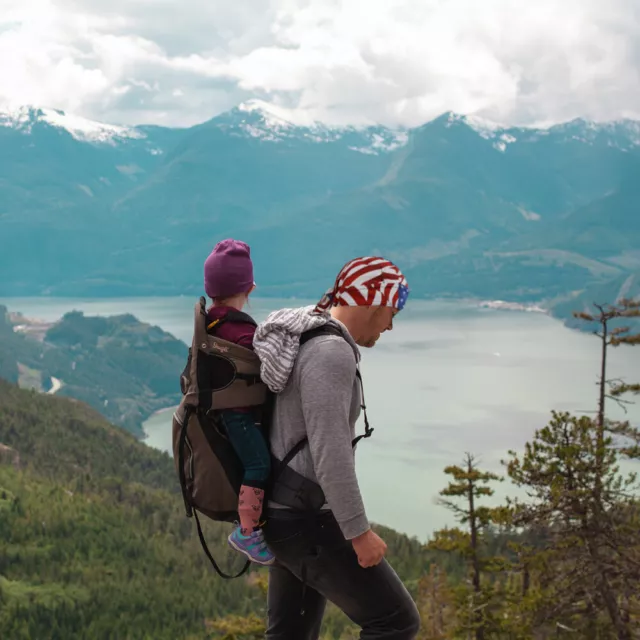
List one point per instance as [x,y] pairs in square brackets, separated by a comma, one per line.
[622,134]
[256,132]
[397,140]
[89,130]
[259,119]
[503,141]
[379,143]
[275,116]
[18,118]
[263,121]
[367,152]
[25,118]
[56,385]
[485,128]
[529,215]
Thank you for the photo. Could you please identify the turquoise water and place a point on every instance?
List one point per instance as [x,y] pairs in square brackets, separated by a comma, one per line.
[451,377]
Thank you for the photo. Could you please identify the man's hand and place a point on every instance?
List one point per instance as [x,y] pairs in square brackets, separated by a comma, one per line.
[370,548]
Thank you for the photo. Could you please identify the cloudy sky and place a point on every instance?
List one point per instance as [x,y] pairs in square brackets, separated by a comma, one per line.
[399,62]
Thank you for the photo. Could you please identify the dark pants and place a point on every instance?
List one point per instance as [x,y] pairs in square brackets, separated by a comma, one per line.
[316,564]
[249,445]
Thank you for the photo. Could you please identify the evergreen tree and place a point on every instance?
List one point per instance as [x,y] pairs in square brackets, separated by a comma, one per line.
[588,560]
[475,598]
[436,605]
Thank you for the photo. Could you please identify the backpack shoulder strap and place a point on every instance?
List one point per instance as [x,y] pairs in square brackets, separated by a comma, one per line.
[240,317]
[231,316]
[323,330]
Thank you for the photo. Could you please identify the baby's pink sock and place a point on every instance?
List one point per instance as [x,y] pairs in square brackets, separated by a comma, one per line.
[249,508]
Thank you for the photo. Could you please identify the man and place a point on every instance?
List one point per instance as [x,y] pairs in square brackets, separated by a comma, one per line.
[329,554]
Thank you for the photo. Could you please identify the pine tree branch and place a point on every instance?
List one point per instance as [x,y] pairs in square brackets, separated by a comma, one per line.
[622,388]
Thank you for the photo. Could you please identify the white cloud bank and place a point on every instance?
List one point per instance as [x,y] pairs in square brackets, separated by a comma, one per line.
[340,61]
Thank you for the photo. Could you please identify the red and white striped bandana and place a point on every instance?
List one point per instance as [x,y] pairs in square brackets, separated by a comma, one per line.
[369,281]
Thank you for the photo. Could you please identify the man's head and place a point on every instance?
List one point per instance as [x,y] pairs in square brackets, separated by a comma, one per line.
[367,294]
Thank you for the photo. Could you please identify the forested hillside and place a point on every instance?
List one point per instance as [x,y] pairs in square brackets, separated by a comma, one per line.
[124,368]
[94,542]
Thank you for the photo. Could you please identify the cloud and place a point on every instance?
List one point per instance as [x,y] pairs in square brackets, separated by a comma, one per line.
[399,63]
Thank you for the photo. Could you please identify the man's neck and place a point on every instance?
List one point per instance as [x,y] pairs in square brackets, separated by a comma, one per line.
[348,319]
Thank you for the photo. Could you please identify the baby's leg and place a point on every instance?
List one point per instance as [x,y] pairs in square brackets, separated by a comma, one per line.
[253,452]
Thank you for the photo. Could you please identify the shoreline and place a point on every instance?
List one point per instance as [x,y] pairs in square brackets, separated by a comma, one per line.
[159,412]
[159,434]
[173,407]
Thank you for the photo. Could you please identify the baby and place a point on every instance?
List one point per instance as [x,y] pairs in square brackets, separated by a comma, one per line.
[228,279]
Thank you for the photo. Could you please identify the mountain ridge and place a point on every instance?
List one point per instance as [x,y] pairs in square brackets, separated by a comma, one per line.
[475,209]
[23,117]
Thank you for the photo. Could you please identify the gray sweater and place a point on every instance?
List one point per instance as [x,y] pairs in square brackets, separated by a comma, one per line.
[322,400]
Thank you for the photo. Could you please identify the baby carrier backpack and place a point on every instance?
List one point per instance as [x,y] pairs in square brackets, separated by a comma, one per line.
[218,375]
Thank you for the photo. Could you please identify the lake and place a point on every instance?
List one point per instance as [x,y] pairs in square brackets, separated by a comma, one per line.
[452,377]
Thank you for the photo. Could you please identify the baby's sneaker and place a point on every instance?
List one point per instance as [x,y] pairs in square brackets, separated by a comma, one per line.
[253,546]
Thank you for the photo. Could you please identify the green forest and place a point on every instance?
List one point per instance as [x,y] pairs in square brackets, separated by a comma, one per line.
[94,542]
[124,368]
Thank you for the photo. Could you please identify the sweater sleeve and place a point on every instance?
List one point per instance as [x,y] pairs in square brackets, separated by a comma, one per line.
[327,370]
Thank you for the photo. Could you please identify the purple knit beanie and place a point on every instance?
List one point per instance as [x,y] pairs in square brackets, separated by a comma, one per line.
[228,270]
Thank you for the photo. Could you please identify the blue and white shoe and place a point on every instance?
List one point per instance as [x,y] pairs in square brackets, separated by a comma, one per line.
[253,546]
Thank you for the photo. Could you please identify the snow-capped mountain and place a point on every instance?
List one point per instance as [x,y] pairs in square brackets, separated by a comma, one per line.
[50,159]
[254,119]
[24,119]
[470,206]
[268,123]
[622,134]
